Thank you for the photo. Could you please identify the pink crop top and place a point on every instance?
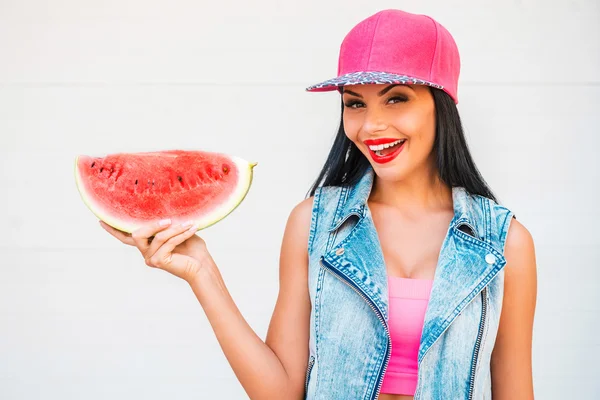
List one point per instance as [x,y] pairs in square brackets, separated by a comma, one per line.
[408,300]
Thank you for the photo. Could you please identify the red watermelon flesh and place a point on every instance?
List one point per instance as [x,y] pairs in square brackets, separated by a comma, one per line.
[129,190]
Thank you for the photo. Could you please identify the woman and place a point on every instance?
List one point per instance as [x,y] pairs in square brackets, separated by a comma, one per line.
[400,277]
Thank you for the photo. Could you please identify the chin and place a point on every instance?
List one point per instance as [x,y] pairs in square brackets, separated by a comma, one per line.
[391,172]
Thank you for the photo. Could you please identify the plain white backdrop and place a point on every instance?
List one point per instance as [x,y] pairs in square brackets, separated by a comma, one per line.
[82,317]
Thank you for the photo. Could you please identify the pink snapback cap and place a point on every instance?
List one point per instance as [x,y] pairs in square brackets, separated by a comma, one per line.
[394,46]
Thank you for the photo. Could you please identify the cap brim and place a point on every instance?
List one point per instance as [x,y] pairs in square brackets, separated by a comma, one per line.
[364,78]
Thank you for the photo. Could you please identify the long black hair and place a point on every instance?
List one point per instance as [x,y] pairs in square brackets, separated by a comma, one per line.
[345,164]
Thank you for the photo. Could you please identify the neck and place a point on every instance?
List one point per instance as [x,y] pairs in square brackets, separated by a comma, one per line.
[421,192]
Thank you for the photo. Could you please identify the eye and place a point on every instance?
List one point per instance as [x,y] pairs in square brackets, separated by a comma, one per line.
[359,104]
[352,103]
[400,99]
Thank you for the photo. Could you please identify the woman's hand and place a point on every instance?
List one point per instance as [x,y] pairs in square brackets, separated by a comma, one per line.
[173,248]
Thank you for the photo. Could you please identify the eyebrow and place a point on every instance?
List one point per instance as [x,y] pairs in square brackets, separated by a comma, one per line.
[381,93]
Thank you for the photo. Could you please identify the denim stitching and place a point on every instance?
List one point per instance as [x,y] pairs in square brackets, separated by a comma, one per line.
[317,327]
[314,219]
[461,307]
[505,227]
[499,265]
[340,205]
[487,218]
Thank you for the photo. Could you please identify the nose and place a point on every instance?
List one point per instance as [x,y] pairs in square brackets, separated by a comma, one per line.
[375,120]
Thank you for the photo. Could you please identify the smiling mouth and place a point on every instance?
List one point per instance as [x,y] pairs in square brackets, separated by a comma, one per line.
[382,150]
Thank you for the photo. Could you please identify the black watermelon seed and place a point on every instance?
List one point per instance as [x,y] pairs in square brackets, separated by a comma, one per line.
[101,169]
[94,163]
[136,181]
[179,178]
[225,169]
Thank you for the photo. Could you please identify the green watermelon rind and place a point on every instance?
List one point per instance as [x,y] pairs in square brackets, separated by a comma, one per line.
[246,175]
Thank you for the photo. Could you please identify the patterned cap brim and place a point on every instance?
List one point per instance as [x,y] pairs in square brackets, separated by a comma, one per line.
[364,78]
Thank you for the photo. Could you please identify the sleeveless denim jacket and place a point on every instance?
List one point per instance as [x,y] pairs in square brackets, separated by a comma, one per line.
[350,346]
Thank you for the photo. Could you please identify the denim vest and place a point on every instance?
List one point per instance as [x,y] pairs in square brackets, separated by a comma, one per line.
[350,346]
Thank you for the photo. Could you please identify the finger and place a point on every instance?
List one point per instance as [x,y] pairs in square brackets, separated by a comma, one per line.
[140,236]
[162,237]
[122,236]
[163,256]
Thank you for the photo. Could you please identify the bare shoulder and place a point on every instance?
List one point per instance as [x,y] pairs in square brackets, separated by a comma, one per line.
[519,248]
[296,235]
[298,224]
[300,215]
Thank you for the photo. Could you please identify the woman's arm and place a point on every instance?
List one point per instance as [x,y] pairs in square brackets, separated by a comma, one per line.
[274,369]
[511,359]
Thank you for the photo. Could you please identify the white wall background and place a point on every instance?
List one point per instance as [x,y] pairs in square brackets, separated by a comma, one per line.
[81,316]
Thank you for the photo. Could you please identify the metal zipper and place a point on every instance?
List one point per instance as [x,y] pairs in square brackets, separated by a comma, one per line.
[379,315]
[417,395]
[484,312]
[478,342]
[310,365]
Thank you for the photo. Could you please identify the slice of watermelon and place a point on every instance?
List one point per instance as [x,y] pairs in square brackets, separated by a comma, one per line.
[128,190]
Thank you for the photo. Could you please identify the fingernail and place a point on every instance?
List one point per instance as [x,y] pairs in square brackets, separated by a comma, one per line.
[164,222]
[187,224]
[193,228]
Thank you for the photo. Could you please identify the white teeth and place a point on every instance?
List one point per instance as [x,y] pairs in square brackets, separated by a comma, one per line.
[385,146]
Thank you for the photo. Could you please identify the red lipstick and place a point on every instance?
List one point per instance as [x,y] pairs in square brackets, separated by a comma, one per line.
[374,142]
[384,158]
